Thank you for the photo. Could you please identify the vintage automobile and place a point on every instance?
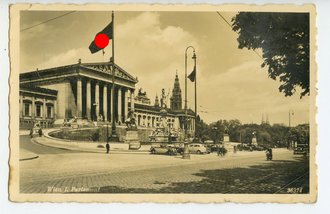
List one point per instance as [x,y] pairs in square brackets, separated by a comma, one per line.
[214,147]
[258,148]
[300,149]
[164,149]
[198,148]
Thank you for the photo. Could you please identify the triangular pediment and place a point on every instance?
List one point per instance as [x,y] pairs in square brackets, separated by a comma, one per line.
[107,68]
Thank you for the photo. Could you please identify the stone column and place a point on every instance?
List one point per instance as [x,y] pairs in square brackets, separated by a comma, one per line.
[79,97]
[21,106]
[132,100]
[88,99]
[119,106]
[125,104]
[33,109]
[55,108]
[44,109]
[112,114]
[105,104]
[97,99]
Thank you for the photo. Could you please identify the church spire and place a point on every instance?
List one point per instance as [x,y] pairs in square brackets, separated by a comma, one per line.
[176,99]
[156,101]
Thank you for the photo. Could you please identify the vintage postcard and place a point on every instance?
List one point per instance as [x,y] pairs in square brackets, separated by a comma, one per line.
[163,103]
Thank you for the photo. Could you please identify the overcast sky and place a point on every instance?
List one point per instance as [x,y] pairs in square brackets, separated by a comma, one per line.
[151,46]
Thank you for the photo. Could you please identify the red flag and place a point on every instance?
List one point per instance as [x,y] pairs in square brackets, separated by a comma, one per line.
[101,39]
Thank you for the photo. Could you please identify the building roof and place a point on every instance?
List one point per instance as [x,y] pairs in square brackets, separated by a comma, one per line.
[34,89]
[156,109]
[100,67]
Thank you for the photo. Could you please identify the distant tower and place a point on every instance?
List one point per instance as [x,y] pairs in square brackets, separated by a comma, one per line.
[157,101]
[262,119]
[267,121]
[176,98]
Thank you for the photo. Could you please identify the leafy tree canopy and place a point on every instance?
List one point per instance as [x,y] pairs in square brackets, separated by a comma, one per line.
[284,40]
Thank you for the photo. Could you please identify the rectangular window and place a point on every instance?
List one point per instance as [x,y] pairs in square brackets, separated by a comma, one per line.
[49,112]
[38,110]
[26,109]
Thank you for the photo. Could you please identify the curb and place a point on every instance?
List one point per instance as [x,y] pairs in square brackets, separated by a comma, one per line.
[86,151]
[31,158]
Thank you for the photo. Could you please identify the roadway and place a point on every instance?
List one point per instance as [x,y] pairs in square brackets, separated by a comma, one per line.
[26,144]
[59,171]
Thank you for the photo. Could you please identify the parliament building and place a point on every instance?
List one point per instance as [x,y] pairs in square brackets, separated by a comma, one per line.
[83,90]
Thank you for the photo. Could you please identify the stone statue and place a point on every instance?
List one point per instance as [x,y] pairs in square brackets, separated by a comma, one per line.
[130,121]
[163,99]
[140,93]
[226,130]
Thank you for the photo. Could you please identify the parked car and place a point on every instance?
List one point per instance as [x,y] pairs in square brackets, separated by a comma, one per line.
[258,148]
[198,148]
[165,150]
[300,149]
[214,148]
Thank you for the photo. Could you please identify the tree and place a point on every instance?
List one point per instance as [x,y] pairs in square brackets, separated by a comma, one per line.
[201,129]
[284,40]
[300,134]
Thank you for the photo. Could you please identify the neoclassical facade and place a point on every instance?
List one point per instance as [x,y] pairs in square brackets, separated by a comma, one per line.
[84,90]
[36,104]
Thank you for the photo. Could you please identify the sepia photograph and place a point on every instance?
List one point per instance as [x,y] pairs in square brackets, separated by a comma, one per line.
[124,103]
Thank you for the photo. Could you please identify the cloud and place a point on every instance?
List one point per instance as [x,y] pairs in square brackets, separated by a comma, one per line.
[150,52]
[246,92]
[231,83]
[143,48]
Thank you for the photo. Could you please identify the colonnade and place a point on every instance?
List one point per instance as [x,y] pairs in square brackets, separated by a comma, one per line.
[94,100]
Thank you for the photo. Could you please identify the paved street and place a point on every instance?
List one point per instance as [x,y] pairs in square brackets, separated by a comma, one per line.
[26,144]
[63,171]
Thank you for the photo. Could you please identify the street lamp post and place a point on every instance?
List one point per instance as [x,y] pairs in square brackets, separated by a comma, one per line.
[114,136]
[186,154]
[290,113]
[215,129]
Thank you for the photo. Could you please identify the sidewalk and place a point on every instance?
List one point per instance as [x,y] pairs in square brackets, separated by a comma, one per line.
[85,146]
[93,147]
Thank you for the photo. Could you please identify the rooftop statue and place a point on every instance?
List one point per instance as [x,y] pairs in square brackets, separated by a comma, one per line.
[163,99]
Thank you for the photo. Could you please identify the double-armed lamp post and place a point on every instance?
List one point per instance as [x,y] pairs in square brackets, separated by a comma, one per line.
[186,154]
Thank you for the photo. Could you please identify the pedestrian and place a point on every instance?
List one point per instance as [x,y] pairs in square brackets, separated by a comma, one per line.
[107,146]
[40,132]
[31,132]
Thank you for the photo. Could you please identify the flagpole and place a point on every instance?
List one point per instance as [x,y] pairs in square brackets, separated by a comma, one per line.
[114,136]
[195,58]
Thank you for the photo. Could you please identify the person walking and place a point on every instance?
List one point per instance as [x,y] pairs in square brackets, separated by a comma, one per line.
[107,146]
[40,132]
[31,132]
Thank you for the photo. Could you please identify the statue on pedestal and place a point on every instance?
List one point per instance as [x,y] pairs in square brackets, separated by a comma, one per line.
[130,121]
[132,137]
[226,130]
[254,138]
